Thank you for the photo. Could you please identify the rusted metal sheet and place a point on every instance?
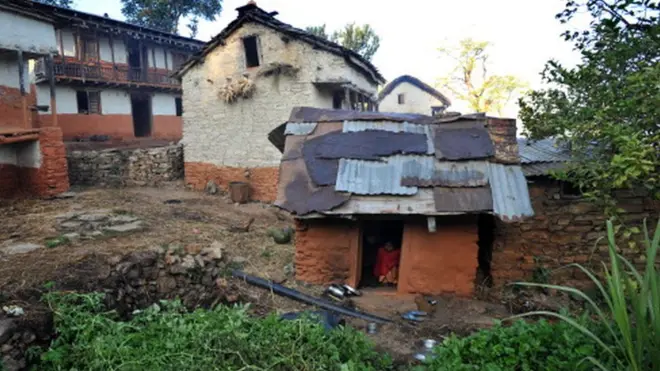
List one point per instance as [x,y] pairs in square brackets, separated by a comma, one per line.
[366,145]
[461,174]
[509,192]
[297,195]
[462,199]
[419,167]
[371,178]
[394,127]
[421,203]
[463,144]
[293,147]
[309,114]
[299,128]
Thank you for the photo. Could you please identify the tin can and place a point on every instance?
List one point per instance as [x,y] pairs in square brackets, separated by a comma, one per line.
[371,328]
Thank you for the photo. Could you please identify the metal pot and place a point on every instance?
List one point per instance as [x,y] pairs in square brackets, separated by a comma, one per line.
[336,291]
[351,291]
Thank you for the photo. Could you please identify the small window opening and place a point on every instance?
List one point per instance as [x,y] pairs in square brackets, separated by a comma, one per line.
[486,232]
[570,190]
[251,51]
[337,99]
[402,98]
[90,48]
[178,102]
[89,102]
[381,253]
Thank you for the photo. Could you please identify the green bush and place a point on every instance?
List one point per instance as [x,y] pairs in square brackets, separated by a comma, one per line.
[166,337]
[520,346]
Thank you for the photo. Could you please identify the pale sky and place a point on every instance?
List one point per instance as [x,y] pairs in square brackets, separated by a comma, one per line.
[524,33]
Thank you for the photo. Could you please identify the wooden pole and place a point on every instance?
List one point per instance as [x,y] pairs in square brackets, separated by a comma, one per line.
[51,80]
[112,56]
[165,55]
[21,82]
[347,98]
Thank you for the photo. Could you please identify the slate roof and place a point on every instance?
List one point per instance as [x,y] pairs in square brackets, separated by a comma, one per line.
[415,82]
[252,13]
[346,163]
[539,157]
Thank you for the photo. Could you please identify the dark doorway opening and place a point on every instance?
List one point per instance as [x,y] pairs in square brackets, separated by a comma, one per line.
[137,61]
[141,108]
[486,230]
[376,234]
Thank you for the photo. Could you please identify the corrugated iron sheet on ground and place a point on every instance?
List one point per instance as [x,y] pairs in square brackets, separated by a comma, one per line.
[299,128]
[372,177]
[462,199]
[509,191]
[394,127]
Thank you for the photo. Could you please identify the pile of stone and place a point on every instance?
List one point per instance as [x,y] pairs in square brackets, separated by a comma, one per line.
[96,223]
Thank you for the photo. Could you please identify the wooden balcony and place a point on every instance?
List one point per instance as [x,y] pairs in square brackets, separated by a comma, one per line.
[106,74]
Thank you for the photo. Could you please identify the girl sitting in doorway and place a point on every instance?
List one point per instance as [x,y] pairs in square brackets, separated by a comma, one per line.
[387,264]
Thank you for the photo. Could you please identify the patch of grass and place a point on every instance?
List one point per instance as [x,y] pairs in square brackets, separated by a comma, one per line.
[167,337]
[57,241]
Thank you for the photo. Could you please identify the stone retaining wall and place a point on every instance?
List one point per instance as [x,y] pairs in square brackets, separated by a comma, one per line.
[126,167]
[130,282]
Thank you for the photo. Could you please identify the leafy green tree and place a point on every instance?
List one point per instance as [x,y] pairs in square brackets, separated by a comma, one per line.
[61,3]
[165,15]
[471,82]
[319,31]
[607,107]
[360,39]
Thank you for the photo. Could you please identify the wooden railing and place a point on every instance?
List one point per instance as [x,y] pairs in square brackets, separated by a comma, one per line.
[107,73]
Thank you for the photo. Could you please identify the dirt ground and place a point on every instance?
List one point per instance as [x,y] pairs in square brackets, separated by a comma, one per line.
[174,215]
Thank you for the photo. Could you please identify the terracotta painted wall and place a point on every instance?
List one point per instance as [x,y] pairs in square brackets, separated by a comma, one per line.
[9,181]
[11,107]
[441,262]
[115,126]
[326,250]
[263,180]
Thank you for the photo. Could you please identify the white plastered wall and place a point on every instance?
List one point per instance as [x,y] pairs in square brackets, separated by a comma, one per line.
[27,34]
[65,98]
[163,104]
[9,71]
[25,154]
[115,102]
[68,42]
[236,134]
[416,100]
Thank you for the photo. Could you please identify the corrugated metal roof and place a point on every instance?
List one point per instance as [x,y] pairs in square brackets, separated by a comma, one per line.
[541,168]
[394,127]
[422,167]
[462,199]
[299,128]
[510,193]
[461,174]
[372,177]
[545,150]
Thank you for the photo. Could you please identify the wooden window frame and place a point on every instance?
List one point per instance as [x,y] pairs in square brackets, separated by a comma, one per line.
[89,111]
[257,51]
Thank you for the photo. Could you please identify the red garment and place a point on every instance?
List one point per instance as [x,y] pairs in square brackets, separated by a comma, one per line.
[386,261]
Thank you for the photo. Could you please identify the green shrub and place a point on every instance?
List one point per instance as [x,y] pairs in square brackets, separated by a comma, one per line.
[631,313]
[521,346]
[166,337]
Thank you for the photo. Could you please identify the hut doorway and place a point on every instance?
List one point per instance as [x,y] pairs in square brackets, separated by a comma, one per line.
[381,242]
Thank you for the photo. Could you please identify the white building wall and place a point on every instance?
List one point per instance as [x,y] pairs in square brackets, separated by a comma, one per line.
[235,134]
[160,57]
[163,104]
[65,98]
[115,102]
[9,71]
[105,53]
[170,60]
[416,100]
[27,34]
[120,51]
[68,42]
[25,154]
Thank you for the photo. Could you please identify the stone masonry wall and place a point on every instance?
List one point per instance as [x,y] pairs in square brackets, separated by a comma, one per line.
[563,231]
[129,282]
[126,167]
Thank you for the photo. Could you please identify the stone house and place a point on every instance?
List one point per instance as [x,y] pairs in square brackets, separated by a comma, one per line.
[246,80]
[408,94]
[431,185]
[32,154]
[112,78]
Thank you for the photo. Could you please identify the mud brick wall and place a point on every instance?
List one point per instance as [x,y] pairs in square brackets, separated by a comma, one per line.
[262,180]
[125,167]
[440,262]
[563,231]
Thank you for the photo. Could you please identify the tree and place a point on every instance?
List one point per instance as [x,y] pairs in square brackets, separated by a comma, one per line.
[607,107]
[165,15]
[318,31]
[471,82]
[60,3]
[360,39]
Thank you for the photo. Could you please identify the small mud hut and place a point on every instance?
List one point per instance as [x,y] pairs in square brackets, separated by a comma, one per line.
[430,186]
